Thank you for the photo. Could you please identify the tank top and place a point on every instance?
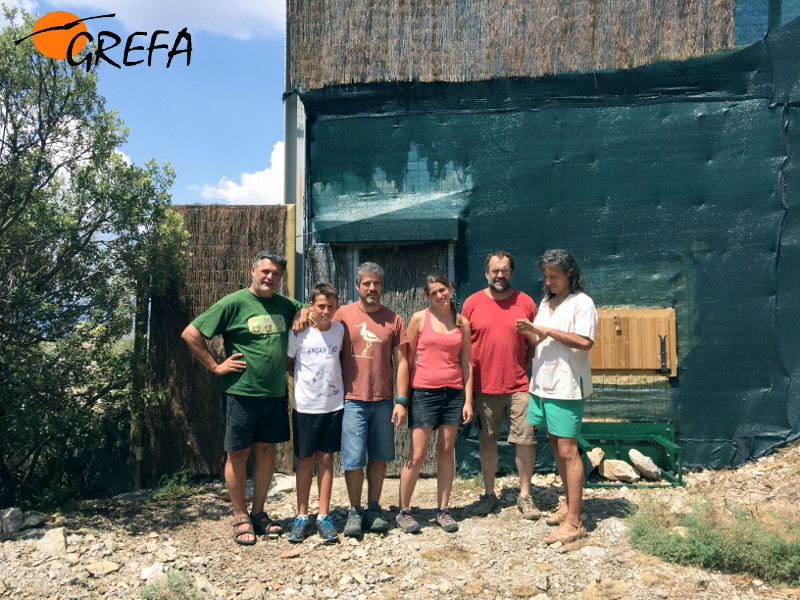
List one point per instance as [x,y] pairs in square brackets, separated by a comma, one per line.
[437,363]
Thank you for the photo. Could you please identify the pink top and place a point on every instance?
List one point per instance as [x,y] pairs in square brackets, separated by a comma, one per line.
[437,363]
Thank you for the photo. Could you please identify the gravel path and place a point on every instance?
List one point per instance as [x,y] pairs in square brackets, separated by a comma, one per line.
[114,548]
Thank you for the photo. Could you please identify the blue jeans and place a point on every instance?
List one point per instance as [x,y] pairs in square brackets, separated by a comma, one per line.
[367,428]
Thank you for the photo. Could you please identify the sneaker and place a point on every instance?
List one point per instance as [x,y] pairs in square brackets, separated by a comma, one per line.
[486,504]
[327,530]
[353,526]
[406,522]
[374,521]
[299,530]
[446,520]
[527,508]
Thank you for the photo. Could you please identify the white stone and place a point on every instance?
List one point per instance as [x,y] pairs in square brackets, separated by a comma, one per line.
[593,551]
[619,470]
[53,542]
[282,484]
[103,567]
[595,457]
[11,521]
[152,570]
[645,465]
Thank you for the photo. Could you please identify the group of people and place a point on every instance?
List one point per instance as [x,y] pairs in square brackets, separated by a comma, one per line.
[447,368]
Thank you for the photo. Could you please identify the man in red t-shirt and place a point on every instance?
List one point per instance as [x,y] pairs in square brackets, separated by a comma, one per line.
[500,359]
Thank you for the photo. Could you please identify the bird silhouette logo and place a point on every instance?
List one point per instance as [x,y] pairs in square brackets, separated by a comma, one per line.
[368,337]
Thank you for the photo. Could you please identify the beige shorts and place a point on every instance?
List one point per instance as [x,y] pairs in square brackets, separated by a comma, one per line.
[489,411]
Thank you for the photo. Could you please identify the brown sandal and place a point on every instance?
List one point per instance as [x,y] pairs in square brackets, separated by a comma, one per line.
[556,517]
[238,532]
[564,537]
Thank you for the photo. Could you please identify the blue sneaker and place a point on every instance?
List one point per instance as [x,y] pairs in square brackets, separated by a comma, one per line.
[299,530]
[327,530]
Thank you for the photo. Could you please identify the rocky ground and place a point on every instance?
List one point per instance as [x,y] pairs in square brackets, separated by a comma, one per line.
[114,548]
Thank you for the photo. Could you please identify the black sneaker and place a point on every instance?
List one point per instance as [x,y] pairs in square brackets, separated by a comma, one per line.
[374,521]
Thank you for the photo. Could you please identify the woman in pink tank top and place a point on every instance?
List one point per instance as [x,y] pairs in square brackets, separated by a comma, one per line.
[441,377]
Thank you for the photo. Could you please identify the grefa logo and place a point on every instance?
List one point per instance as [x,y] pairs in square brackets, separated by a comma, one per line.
[61,34]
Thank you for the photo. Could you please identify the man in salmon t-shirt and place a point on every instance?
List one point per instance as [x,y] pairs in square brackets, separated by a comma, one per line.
[373,337]
[500,358]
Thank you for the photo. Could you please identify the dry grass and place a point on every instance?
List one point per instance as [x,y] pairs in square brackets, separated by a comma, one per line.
[355,41]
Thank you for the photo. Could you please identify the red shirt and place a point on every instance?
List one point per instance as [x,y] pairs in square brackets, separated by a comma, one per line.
[498,350]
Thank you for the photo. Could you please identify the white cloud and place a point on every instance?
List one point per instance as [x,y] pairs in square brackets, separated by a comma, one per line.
[261,187]
[240,19]
[27,5]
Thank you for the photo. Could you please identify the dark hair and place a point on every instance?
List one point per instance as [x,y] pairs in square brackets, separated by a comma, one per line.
[325,289]
[499,254]
[272,256]
[439,278]
[368,267]
[564,262]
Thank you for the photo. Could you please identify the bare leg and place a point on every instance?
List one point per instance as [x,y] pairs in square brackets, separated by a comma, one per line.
[324,480]
[263,467]
[354,480]
[376,470]
[489,458]
[236,480]
[572,475]
[420,436]
[446,466]
[525,458]
[561,467]
[305,470]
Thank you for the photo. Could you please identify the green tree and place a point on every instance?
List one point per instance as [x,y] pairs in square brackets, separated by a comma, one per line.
[83,235]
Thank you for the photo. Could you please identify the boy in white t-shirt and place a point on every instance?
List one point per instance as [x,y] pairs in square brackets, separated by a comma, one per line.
[317,409]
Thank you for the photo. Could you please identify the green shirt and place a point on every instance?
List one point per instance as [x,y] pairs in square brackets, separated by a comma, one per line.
[258,328]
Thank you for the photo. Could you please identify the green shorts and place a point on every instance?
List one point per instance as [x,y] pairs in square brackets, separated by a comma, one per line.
[561,418]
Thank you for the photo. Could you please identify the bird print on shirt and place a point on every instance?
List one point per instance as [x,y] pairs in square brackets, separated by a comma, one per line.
[368,337]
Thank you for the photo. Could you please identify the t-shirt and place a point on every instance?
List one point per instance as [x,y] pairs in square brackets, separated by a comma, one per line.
[257,327]
[317,369]
[369,341]
[559,371]
[498,349]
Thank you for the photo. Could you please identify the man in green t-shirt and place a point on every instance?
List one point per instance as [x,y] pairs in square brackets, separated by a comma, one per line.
[254,325]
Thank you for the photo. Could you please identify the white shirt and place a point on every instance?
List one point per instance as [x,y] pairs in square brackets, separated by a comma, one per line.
[318,385]
[559,371]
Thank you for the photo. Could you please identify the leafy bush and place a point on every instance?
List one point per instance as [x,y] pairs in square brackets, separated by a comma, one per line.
[177,586]
[706,537]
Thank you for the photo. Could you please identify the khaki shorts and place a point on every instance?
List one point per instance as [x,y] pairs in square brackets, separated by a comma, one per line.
[489,411]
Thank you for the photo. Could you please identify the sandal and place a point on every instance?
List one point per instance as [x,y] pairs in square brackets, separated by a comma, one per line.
[556,517]
[239,532]
[564,537]
[263,525]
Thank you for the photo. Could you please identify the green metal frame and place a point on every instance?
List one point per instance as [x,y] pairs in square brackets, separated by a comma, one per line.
[656,440]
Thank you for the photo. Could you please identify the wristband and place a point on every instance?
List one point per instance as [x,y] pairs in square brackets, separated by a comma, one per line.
[402,401]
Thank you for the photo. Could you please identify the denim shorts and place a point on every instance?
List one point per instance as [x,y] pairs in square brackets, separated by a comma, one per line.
[435,407]
[367,428]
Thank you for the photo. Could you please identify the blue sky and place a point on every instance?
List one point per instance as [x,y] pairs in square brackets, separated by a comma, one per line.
[219,121]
